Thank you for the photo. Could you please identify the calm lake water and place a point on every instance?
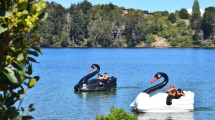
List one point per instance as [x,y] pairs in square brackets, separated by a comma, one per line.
[60,69]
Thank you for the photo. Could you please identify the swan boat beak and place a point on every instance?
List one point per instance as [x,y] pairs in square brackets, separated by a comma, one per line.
[154,79]
[90,69]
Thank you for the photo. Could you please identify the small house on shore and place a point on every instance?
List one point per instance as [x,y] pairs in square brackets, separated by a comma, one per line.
[125,11]
[145,12]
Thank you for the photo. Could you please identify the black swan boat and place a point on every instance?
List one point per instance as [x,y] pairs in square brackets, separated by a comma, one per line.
[87,84]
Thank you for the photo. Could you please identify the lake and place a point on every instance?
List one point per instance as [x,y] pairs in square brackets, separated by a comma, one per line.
[61,68]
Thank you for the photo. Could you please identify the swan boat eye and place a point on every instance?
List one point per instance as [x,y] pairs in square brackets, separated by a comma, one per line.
[159,75]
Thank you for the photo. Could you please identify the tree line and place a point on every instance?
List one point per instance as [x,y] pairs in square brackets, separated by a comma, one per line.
[85,25]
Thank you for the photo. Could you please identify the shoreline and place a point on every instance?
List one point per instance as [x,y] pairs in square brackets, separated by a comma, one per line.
[131,47]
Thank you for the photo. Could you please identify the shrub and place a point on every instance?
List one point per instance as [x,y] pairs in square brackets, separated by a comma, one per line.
[116,114]
[181,23]
[149,38]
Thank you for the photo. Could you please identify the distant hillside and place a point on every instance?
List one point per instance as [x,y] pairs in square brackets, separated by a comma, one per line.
[85,25]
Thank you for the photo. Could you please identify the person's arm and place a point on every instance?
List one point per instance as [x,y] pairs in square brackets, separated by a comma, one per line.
[175,93]
[168,90]
[181,94]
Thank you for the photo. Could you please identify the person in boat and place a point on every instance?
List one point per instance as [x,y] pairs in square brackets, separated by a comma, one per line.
[100,76]
[171,91]
[178,94]
[104,79]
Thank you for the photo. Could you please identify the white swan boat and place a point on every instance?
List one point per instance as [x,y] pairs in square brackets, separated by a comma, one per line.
[158,102]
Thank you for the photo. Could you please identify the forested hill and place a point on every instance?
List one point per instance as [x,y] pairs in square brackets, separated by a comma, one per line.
[85,25]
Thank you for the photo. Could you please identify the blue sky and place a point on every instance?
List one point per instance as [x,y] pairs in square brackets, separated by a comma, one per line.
[150,5]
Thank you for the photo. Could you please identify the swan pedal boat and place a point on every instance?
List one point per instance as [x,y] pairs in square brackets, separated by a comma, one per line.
[86,84]
[157,102]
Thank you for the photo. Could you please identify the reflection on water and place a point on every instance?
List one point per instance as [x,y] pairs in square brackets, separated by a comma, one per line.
[164,116]
[95,102]
[97,94]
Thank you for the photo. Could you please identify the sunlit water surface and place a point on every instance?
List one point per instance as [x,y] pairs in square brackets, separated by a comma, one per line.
[60,69]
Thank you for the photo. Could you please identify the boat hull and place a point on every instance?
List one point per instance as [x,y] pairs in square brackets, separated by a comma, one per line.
[94,85]
[157,103]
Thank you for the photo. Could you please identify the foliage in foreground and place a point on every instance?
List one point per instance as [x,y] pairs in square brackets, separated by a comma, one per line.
[116,114]
[17,26]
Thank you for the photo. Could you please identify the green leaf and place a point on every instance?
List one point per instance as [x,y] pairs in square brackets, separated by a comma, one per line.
[32,109]
[22,6]
[32,82]
[34,9]
[36,41]
[25,12]
[23,110]
[4,80]
[30,69]
[20,57]
[4,12]
[13,86]
[34,37]
[43,16]
[9,25]
[14,8]
[14,73]
[21,92]
[10,112]
[35,28]
[14,77]
[27,117]
[2,29]
[12,47]
[33,53]
[37,77]
[31,105]
[31,59]
[37,49]
[9,101]
[18,68]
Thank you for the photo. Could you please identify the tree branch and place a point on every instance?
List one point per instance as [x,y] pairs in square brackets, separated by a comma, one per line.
[22,99]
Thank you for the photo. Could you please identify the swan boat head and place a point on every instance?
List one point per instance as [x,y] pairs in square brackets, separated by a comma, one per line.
[84,81]
[158,86]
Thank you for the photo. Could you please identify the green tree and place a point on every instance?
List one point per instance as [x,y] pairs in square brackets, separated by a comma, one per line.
[183,14]
[165,13]
[209,22]
[196,14]
[85,6]
[172,18]
[17,18]
[53,25]
[158,14]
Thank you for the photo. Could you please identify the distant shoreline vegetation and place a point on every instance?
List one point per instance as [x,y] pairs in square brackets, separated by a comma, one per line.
[107,25]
